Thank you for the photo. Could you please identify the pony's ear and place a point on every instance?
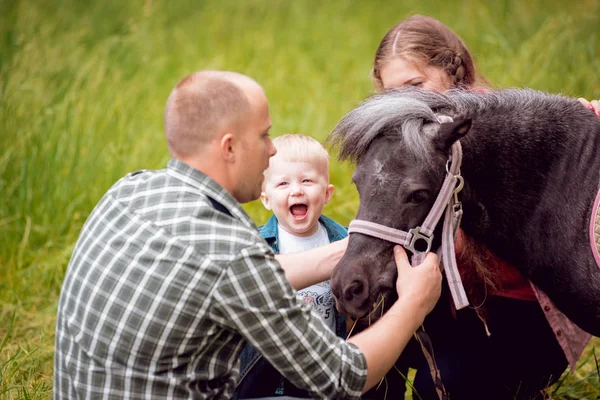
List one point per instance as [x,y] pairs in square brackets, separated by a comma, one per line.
[450,132]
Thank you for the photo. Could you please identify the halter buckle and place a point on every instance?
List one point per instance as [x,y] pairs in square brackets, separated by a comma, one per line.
[418,235]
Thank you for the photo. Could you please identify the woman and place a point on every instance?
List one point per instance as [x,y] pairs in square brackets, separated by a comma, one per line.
[517,343]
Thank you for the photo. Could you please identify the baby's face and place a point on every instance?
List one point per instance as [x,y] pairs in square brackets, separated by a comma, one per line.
[296,192]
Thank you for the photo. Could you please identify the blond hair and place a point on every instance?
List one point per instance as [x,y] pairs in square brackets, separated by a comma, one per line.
[427,42]
[300,148]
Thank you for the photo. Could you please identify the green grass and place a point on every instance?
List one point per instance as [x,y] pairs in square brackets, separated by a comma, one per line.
[83,86]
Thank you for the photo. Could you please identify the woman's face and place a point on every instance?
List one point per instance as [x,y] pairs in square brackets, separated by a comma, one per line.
[401,72]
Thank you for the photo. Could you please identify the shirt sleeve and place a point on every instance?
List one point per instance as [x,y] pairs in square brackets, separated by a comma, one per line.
[255,299]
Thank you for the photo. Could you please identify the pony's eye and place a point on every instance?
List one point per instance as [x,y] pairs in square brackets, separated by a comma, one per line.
[418,196]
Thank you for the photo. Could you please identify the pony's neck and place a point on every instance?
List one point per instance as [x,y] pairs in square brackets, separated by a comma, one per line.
[519,167]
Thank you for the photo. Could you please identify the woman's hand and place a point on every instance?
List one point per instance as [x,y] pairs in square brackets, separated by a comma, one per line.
[593,105]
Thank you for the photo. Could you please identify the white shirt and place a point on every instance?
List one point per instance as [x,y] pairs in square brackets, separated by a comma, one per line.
[319,295]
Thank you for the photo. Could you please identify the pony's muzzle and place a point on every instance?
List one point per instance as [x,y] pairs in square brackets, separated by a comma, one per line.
[354,297]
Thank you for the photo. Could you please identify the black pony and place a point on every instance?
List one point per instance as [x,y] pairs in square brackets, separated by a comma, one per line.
[531,171]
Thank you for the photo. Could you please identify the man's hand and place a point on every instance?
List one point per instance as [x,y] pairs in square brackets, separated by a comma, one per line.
[420,285]
[419,289]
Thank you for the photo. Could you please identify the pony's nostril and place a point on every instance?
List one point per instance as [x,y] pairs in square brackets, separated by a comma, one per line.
[355,289]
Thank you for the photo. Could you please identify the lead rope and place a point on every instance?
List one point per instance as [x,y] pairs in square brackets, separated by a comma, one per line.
[447,201]
[427,348]
[452,218]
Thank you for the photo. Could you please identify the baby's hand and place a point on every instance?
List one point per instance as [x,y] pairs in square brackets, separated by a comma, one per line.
[593,105]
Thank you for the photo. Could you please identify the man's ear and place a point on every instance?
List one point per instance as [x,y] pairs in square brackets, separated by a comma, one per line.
[329,193]
[265,200]
[226,147]
[450,132]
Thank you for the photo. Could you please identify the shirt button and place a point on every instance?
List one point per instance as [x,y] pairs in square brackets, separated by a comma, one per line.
[558,332]
[546,308]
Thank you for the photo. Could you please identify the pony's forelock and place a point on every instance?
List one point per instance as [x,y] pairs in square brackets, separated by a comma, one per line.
[392,113]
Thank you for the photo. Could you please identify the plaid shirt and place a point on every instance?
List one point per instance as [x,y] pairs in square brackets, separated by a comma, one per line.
[163,289]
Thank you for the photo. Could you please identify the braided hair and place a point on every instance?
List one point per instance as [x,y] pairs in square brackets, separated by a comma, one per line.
[428,42]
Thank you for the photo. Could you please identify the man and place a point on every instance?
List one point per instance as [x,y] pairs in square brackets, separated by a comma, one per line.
[170,277]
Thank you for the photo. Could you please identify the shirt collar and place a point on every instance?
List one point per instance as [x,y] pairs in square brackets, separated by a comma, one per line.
[205,184]
[334,230]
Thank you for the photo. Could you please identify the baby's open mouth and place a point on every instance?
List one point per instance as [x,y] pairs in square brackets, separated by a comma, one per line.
[299,211]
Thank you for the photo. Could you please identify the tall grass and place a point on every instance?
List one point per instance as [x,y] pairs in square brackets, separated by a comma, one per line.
[83,85]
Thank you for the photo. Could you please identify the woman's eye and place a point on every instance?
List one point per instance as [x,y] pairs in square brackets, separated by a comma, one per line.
[417,84]
[419,196]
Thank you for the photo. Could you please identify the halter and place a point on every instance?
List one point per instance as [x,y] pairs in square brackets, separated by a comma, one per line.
[447,200]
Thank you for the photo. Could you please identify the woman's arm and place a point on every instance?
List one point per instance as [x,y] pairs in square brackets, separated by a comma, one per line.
[312,266]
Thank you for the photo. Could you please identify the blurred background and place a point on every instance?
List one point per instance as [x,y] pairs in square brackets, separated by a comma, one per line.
[83,85]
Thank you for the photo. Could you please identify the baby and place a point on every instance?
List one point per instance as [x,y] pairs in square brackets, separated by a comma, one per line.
[296,188]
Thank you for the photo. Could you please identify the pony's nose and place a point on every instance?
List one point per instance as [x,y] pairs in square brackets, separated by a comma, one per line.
[356,293]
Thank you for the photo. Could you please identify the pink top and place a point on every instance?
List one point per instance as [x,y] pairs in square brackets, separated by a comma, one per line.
[571,338]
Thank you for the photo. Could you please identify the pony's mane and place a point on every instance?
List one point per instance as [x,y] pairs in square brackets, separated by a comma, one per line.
[397,113]
[470,104]
[410,114]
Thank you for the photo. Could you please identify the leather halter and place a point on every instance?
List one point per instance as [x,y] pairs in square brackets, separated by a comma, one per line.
[447,200]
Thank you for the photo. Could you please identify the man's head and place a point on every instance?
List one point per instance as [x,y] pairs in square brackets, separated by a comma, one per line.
[296,185]
[218,122]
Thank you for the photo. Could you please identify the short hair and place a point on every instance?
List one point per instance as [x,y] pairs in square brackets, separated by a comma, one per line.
[200,106]
[300,148]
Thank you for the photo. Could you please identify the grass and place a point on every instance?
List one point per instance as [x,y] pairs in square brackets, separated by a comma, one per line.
[83,86]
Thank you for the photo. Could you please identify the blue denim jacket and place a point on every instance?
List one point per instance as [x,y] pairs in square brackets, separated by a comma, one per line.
[258,378]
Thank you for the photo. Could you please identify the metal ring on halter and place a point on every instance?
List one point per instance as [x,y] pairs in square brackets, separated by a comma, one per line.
[416,235]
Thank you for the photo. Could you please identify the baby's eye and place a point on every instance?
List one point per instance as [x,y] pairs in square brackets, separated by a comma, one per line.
[282,184]
[307,181]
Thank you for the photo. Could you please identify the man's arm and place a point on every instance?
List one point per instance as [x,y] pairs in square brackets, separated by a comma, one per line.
[311,266]
[256,301]
[382,343]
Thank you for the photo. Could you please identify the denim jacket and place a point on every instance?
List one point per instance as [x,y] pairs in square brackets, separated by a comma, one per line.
[258,378]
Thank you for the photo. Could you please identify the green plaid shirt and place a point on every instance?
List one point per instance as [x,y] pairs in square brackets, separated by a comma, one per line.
[163,289]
